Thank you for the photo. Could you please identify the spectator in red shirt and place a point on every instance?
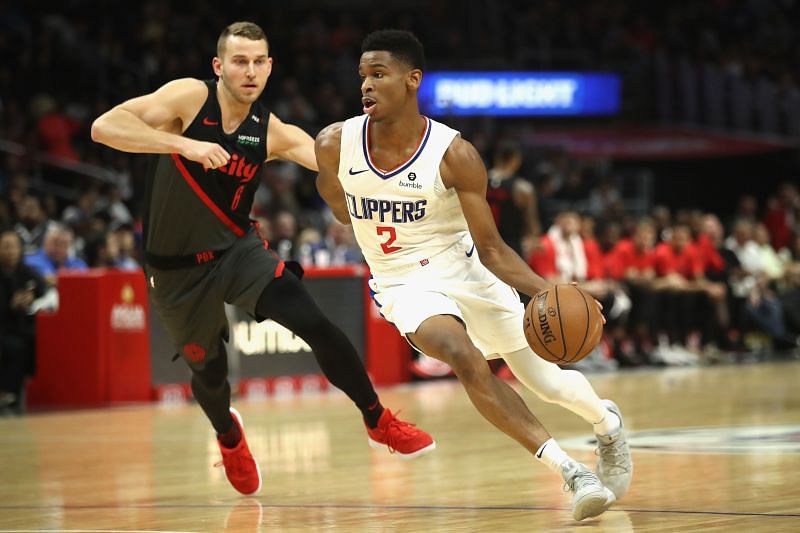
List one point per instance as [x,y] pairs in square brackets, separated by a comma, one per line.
[595,258]
[632,262]
[782,215]
[708,242]
[693,298]
[54,128]
[678,260]
[561,255]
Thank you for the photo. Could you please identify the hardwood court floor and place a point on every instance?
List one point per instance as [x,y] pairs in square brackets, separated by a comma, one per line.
[149,468]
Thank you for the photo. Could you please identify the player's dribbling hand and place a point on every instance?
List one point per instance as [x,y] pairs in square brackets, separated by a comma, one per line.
[210,155]
[599,305]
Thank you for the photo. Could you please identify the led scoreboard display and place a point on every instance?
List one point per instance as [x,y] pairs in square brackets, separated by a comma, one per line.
[519,93]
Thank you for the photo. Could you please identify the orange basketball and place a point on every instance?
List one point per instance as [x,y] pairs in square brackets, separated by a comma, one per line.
[563,324]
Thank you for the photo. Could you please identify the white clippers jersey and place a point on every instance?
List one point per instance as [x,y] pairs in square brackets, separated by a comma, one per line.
[404,216]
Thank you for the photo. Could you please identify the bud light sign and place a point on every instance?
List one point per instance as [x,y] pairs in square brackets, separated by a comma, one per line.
[519,93]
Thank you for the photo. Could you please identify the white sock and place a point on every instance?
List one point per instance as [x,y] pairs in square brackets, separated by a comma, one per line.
[551,454]
[608,425]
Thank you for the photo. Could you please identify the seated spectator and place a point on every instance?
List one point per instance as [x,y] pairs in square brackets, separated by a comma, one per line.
[103,251]
[80,217]
[128,257]
[781,214]
[561,256]
[55,254]
[54,128]
[632,262]
[595,259]
[742,244]
[20,285]
[339,245]
[718,264]
[773,265]
[688,297]
[709,242]
[763,307]
[284,234]
[118,212]
[33,224]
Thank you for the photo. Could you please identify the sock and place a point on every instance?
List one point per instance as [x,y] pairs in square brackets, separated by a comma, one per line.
[230,438]
[372,414]
[551,454]
[608,425]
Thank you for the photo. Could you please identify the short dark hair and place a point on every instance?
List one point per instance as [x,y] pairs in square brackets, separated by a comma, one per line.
[248,30]
[403,45]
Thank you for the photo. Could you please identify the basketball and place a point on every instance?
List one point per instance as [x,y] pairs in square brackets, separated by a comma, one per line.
[563,324]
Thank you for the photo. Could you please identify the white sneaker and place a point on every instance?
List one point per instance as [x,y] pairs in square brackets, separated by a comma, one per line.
[589,496]
[614,463]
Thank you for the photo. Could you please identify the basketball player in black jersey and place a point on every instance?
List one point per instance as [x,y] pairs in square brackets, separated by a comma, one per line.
[202,250]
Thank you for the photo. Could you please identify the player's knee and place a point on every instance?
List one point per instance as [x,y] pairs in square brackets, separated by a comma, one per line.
[465,360]
[556,391]
[552,394]
[212,375]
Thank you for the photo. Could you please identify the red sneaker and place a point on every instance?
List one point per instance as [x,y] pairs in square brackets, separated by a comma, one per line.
[400,437]
[240,467]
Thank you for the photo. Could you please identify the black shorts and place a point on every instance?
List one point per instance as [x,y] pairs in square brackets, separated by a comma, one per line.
[190,301]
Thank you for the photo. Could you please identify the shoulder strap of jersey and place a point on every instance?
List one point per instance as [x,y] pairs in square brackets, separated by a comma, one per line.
[440,140]
[351,136]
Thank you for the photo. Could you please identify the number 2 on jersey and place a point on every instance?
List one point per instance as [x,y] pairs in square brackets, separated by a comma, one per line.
[387,246]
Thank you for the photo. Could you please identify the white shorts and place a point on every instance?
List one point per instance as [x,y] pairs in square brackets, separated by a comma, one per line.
[453,283]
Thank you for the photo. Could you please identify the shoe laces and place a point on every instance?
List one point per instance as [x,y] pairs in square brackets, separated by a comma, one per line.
[615,455]
[580,479]
[231,462]
[397,431]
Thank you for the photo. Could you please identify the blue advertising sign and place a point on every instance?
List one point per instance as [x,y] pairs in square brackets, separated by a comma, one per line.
[519,93]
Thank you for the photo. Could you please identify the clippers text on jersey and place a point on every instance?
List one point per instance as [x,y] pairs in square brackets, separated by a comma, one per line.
[394,211]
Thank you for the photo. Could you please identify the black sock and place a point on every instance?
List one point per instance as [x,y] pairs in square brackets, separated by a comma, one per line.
[372,414]
[232,437]
[212,391]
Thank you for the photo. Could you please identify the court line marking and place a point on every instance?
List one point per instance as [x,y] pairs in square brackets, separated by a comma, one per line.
[91,531]
[381,507]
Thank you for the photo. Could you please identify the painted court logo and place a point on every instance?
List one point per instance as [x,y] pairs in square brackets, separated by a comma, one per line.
[726,439]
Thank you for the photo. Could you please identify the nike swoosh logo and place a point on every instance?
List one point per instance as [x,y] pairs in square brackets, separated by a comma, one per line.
[539,455]
[357,171]
[207,122]
[471,251]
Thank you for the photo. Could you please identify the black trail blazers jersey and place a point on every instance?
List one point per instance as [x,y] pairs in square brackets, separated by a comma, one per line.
[190,209]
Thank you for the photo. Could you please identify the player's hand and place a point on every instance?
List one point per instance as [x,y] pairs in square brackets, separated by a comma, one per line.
[22,299]
[596,301]
[210,155]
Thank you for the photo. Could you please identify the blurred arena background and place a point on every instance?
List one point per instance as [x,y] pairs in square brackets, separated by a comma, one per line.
[693,158]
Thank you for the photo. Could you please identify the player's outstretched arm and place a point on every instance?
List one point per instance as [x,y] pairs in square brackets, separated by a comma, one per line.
[327,147]
[463,169]
[287,141]
[153,124]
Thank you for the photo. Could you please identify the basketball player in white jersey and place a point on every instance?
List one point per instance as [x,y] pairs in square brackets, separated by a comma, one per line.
[415,192]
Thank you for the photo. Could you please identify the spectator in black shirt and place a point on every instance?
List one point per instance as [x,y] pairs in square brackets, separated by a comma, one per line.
[20,285]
